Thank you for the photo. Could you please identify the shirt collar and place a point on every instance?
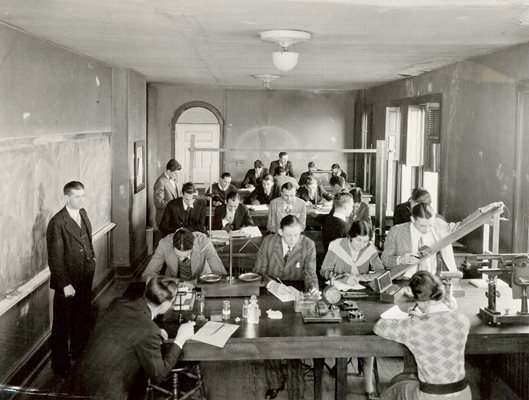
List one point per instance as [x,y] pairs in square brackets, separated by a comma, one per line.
[73,213]
[187,206]
[285,246]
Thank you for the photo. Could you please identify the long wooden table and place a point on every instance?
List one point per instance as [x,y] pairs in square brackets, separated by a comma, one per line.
[291,338]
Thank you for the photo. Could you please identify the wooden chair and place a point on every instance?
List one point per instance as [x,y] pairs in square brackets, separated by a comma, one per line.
[192,372]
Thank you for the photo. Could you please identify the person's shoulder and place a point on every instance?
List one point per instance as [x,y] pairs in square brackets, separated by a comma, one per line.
[300,202]
[59,216]
[402,206]
[175,202]
[200,237]
[276,201]
[162,178]
[270,239]
[167,240]
[306,242]
[400,227]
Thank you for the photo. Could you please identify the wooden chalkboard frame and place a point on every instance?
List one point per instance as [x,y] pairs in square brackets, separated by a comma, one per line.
[139,166]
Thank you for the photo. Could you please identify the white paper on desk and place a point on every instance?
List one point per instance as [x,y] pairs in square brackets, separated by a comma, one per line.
[323,210]
[251,231]
[221,234]
[259,207]
[215,333]
[394,313]
[344,287]
[282,292]
[483,284]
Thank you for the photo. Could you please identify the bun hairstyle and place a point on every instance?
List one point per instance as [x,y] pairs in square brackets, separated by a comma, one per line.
[426,286]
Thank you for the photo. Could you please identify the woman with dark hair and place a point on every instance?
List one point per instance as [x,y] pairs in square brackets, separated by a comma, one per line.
[337,171]
[436,335]
[360,209]
[352,256]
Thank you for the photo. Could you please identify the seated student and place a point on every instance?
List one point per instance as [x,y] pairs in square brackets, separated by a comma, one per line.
[221,189]
[291,258]
[336,225]
[337,185]
[185,211]
[233,215]
[281,178]
[402,212]
[303,177]
[187,256]
[254,176]
[287,204]
[282,162]
[360,209]
[337,171]
[263,193]
[125,342]
[352,256]
[312,193]
[437,337]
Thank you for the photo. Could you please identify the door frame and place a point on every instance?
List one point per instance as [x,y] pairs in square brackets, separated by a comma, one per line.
[202,104]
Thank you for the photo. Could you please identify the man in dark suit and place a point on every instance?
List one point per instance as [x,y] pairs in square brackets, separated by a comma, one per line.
[281,178]
[336,225]
[264,193]
[233,215]
[304,175]
[254,176]
[402,212]
[312,193]
[221,189]
[337,184]
[71,259]
[282,162]
[185,212]
[291,258]
[126,342]
[165,188]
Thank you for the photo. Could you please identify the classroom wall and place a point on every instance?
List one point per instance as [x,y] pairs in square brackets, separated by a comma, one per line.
[478,127]
[256,119]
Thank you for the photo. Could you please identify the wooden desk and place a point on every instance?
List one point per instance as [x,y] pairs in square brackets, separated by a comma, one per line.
[291,338]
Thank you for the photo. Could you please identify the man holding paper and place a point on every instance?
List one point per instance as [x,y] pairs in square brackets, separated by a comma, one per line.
[290,257]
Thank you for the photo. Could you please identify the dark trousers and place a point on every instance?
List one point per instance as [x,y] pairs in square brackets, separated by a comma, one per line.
[71,324]
[275,377]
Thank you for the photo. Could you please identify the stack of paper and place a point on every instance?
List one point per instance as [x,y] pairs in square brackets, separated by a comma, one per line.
[260,207]
[215,333]
[251,231]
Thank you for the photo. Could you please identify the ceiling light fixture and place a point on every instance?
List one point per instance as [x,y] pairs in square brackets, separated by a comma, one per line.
[283,59]
[266,79]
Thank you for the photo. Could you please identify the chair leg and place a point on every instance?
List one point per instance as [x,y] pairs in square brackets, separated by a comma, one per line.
[375,373]
[175,385]
[148,391]
[200,383]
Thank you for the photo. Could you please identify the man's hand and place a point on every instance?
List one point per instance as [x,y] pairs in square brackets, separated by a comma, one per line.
[250,186]
[185,332]
[314,292]
[69,291]
[308,203]
[408,259]
[228,227]
[164,334]
[217,203]
[186,284]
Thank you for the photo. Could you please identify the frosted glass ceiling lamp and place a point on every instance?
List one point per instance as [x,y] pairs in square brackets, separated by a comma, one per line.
[285,60]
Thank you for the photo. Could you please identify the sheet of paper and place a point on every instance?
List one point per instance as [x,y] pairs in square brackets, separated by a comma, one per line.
[282,292]
[482,283]
[215,333]
[260,207]
[221,234]
[394,313]
[251,231]
[342,286]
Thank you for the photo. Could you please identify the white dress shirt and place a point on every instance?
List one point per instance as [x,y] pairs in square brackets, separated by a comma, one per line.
[187,206]
[427,239]
[75,215]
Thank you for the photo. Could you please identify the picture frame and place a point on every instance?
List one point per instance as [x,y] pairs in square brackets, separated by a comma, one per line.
[139,166]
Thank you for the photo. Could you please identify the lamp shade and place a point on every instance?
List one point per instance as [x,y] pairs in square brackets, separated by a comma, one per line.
[285,60]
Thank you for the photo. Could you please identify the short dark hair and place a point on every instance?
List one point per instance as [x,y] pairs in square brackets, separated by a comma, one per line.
[232,196]
[289,220]
[188,188]
[225,175]
[426,286]
[309,179]
[287,186]
[279,170]
[340,199]
[337,181]
[282,153]
[268,177]
[183,239]
[311,164]
[360,228]
[257,164]
[173,165]
[73,185]
[422,210]
[335,165]
[421,195]
[160,289]
[357,194]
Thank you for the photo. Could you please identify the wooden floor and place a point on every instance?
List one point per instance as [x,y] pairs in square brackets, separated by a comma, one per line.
[255,387]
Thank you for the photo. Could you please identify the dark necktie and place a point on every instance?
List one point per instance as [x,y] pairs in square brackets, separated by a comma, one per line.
[287,254]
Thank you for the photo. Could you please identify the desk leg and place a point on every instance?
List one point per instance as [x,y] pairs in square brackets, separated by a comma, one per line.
[487,376]
[318,378]
[341,379]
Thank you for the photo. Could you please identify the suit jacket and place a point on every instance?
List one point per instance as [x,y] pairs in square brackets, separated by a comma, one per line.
[252,179]
[288,168]
[300,266]
[333,228]
[125,341]
[242,217]
[69,258]
[176,217]
[260,195]
[402,213]
[320,195]
[280,180]
[398,243]
[204,258]
[303,178]
[276,212]
[164,192]
[343,174]
[217,194]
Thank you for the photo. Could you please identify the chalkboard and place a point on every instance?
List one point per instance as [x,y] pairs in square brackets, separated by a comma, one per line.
[32,174]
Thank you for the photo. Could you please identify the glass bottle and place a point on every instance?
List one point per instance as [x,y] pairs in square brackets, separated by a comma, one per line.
[245,306]
[226,309]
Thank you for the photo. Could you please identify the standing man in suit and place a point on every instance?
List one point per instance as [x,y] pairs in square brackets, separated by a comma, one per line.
[282,162]
[71,259]
[402,212]
[125,342]
[165,188]
[221,189]
[312,193]
[185,212]
[287,204]
[291,258]
[281,178]
[254,176]
[304,175]
[264,193]
[233,215]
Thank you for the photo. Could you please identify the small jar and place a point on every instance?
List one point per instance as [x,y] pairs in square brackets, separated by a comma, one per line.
[245,308]
[226,309]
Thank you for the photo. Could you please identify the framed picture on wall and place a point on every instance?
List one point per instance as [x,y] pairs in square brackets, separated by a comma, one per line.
[139,165]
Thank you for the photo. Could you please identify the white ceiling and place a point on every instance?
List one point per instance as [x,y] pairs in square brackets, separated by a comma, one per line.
[356,43]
